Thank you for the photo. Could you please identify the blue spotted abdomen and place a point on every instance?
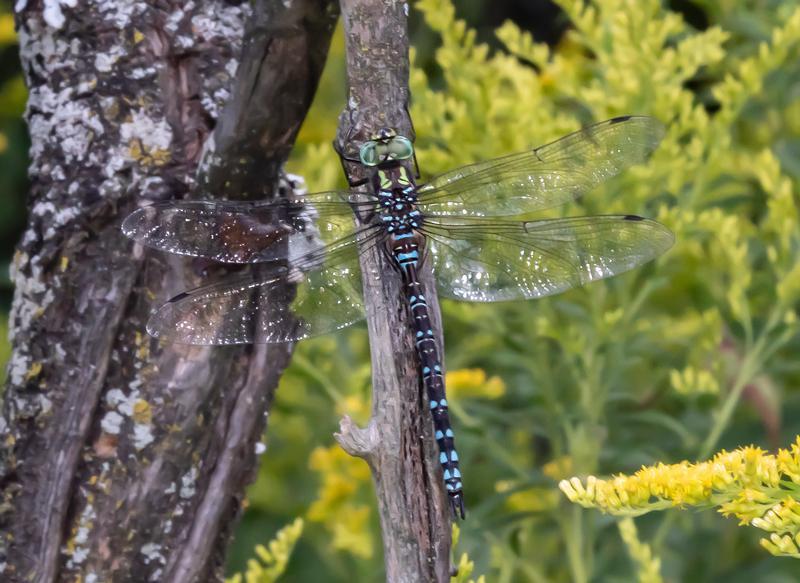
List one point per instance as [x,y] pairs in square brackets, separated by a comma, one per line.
[433,379]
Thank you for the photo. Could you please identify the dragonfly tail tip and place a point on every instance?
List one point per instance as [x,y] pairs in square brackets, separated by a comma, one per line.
[457,505]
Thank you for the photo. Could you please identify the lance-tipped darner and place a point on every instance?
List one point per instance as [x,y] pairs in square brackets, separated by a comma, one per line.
[469,224]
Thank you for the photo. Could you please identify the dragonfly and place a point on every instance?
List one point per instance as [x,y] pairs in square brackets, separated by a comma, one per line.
[300,273]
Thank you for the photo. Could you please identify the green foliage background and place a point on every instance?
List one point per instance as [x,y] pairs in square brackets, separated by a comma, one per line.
[688,355]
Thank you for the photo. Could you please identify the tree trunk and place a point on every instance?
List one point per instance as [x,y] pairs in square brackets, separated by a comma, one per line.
[123,459]
[398,442]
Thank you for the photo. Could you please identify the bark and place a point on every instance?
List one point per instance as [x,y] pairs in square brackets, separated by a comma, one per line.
[398,442]
[123,459]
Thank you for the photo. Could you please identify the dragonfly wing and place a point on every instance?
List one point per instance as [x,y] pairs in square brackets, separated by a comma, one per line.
[548,176]
[484,261]
[243,232]
[270,303]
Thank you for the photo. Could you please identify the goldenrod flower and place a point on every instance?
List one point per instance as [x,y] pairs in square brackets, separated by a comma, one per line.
[337,505]
[273,558]
[760,489]
[465,565]
[473,382]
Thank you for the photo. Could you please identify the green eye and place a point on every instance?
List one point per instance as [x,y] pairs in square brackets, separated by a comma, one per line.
[374,152]
[401,148]
[368,154]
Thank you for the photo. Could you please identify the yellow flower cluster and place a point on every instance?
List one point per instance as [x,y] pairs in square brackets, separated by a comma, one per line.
[337,506]
[273,559]
[693,381]
[8,35]
[760,489]
[473,382]
[536,499]
[465,565]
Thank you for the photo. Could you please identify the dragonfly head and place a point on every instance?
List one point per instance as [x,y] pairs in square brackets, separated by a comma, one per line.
[384,134]
[385,146]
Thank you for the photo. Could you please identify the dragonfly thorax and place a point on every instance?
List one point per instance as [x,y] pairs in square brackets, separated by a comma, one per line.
[397,200]
[398,211]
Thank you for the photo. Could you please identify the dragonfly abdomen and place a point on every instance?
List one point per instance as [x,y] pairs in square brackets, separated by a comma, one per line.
[432,378]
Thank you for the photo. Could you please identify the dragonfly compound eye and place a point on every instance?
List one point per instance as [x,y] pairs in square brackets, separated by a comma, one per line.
[369,154]
[400,148]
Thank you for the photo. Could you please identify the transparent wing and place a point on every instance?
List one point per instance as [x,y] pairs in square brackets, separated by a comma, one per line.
[545,177]
[244,232]
[481,261]
[269,303]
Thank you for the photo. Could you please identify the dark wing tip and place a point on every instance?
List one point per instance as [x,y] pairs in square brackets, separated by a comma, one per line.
[178,297]
[619,119]
[152,327]
[163,319]
[652,130]
[132,225]
[128,226]
[665,236]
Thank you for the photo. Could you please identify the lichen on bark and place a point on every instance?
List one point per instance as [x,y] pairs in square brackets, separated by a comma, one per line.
[123,459]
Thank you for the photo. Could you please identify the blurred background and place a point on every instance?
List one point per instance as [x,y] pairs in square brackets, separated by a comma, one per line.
[687,356]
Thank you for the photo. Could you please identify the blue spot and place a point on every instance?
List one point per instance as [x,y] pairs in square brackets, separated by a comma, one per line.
[404,236]
[426,370]
[449,433]
[458,485]
[412,299]
[449,487]
[443,402]
[447,474]
[442,458]
[390,229]
[419,334]
[404,256]
[413,213]
[436,367]
[399,206]
[439,435]
[434,404]
[453,456]
[387,219]
[421,297]
[456,473]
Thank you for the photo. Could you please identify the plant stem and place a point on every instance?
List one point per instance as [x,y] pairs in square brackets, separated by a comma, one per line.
[574,540]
